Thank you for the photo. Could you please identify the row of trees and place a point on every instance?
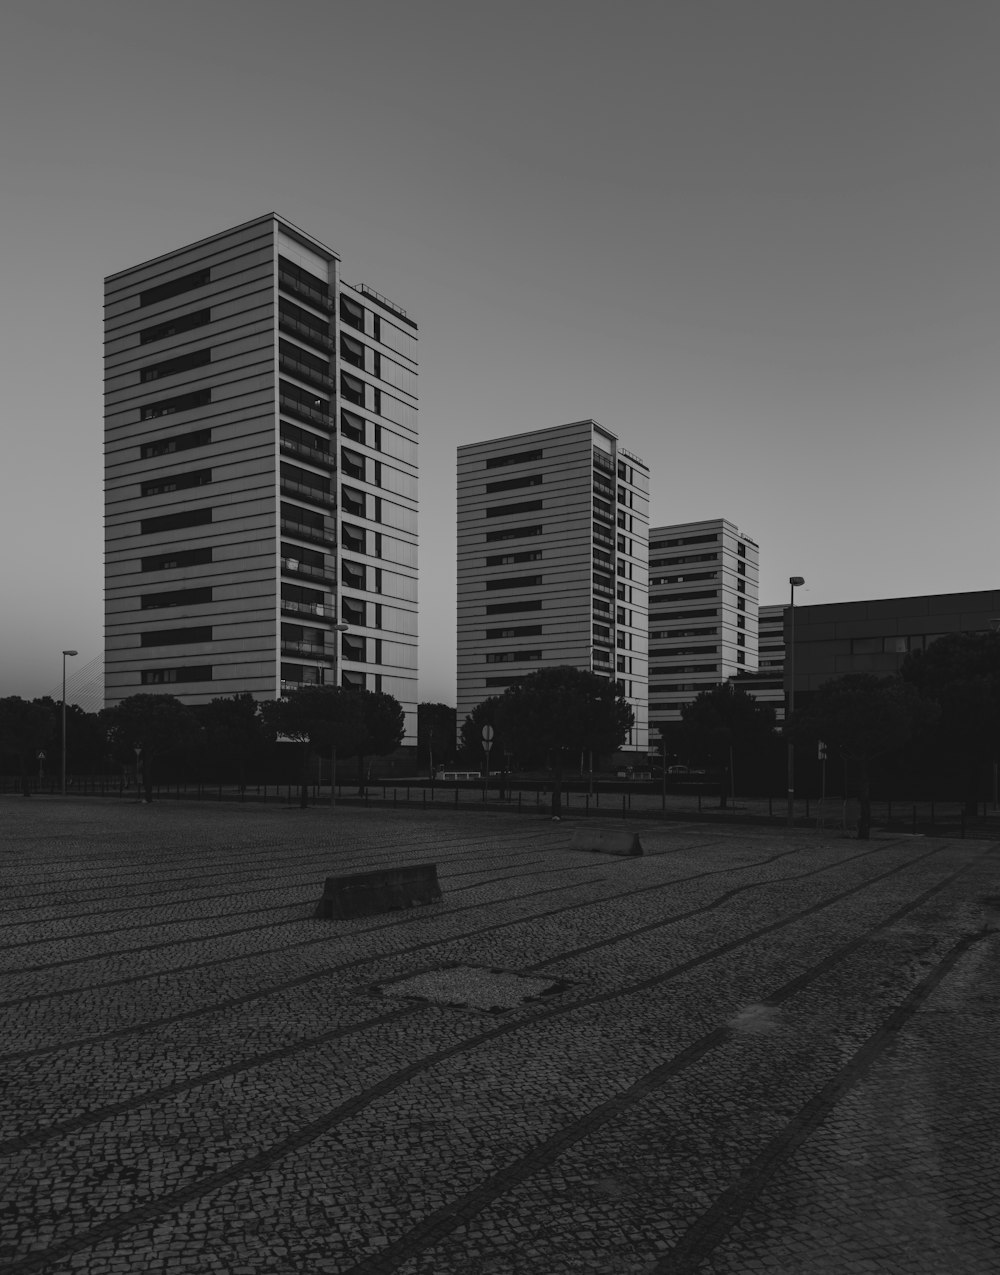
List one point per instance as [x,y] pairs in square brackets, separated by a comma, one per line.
[158,734]
[935,724]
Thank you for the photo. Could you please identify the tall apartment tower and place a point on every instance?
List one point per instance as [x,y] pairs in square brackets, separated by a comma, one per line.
[552,546]
[261,474]
[702,611]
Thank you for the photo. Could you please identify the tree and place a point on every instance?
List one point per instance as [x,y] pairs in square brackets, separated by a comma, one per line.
[235,732]
[725,723]
[311,716]
[381,730]
[960,674]
[159,725]
[862,717]
[435,735]
[559,710]
[25,728]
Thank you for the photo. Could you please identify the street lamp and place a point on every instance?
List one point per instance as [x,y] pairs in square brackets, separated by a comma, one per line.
[794,581]
[64,654]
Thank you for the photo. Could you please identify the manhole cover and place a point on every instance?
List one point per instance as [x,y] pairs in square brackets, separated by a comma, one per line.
[472,987]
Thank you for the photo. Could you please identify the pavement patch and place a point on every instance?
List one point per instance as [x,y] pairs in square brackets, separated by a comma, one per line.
[472,987]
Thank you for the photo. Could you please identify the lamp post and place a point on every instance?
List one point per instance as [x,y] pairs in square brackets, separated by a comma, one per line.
[794,582]
[64,654]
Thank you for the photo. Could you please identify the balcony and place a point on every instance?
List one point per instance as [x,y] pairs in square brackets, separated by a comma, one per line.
[305,491]
[604,462]
[294,567]
[603,489]
[297,288]
[314,610]
[604,515]
[303,412]
[604,588]
[322,340]
[602,537]
[311,650]
[315,535]
[603,557]
[304,372]
[318,456]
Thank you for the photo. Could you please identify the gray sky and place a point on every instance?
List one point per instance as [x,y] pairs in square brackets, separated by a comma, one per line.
[757,240]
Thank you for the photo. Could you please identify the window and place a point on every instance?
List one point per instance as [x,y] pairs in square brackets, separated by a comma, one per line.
[526,507]
[170,367]
[502,559]
[173,522]
[354,539]
[503,681]
[741,549]
[175,598]
[305,481]
[686,578]
[182,403]
[162,676]
[505,608]
[176,482]
[302,279]
[352,501]
[509,484]
[352,314]
[352,426]
[352,611]
[512,657]
[303,363]
[684,540]
[164,291]
[353,574]
[176,558]
[514,582]
[179,443]
[513,458]
[352,352]
[682,558]
[686,615]
[525,630]
[352,389]
[184,323]
[297,400]
[304,323]
[176,637]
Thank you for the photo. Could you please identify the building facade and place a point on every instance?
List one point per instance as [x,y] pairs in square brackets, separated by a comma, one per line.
[703,579]
[835,639]
[260,474]
[552,562]
[767,685]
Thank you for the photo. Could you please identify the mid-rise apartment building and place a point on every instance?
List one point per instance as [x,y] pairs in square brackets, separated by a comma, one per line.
[703,579]
[552,562]
[767,685]
[261,474]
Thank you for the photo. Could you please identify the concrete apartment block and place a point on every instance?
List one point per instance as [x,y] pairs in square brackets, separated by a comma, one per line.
[552,549]
[702,611]
[260,474]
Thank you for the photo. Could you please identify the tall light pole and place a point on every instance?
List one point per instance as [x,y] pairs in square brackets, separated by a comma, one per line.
[64,654]
[794,581]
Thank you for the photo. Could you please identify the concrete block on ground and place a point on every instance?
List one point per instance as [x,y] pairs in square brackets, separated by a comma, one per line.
[606,840]
[384,890]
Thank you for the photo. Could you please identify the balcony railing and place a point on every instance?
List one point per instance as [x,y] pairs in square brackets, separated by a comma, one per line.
[319,495]
[315,610]
[312,650]
[304,412]
[299,289]
[317,455]
[304,372]
[603,536]
[604,462]
[295,567]
[603,488]
[603,514]
[316,535]
[603,588]
[322,340]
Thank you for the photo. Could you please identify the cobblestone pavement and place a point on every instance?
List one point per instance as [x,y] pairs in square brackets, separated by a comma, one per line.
[745,1051]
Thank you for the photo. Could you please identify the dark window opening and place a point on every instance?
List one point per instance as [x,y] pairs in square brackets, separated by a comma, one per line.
[164,676]
[352,352]
[514,533]
[505,608]
[176,637]
[172,522]
[175,558]
[170,367]
[182,403]
[175,598]
[164,291]
[184,323]
[502,559]
[514,582]
[179,443]
[352,314]
[513,458]
[176,482]
[526,507]
[352,426]
[509,484]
